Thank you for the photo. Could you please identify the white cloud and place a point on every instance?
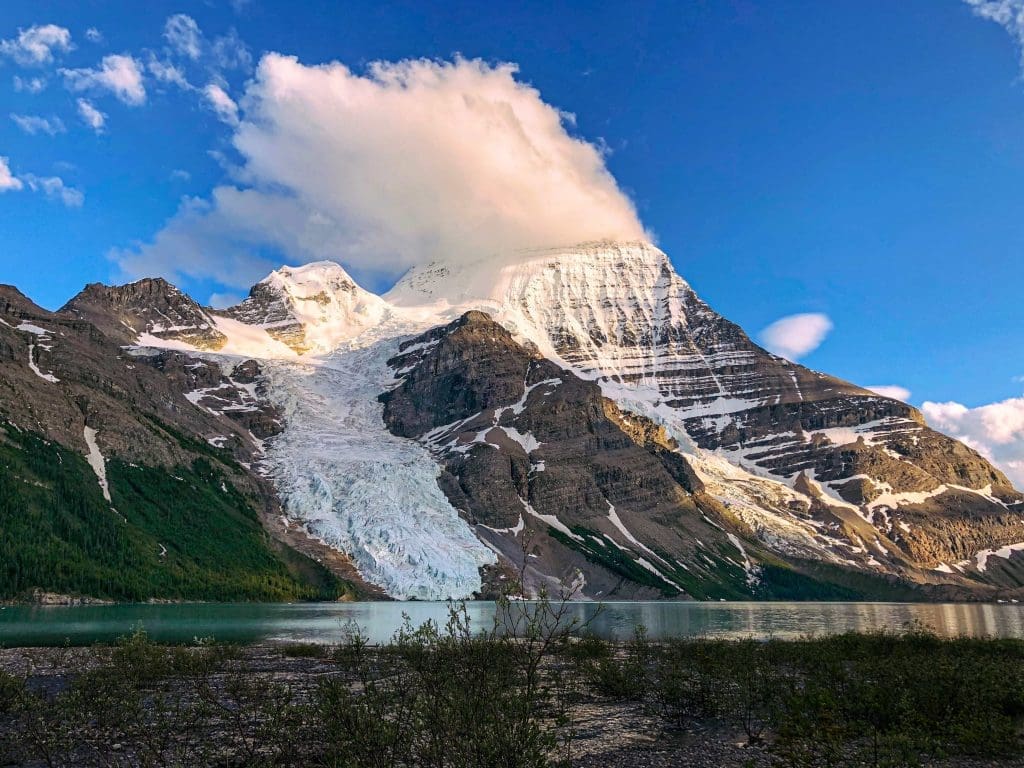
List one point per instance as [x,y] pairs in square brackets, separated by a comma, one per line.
[36,45]
[93,35]
[51,186]
[29,84]
[120,74]
[893,391]
[54,188]
[91,116]
[1009,14]
[183,35]
[179,174]
[229,52]
[33,124]
[222,104]
[167,72]
[412,161]
[996,431]
[8,181]
[795,336]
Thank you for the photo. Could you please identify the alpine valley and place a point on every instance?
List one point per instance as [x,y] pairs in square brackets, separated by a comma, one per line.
[573,418]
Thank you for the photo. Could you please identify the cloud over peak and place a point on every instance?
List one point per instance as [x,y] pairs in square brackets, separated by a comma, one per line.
[410,161]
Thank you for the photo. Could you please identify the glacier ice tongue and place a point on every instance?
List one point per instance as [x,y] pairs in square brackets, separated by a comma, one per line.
[361,489]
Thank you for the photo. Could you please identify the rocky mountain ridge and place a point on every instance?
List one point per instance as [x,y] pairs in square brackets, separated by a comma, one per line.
[576,415]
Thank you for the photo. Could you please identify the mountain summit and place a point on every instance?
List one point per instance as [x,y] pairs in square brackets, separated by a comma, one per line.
[573,416]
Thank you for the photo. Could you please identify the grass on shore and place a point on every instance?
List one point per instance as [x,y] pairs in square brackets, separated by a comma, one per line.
[455,697]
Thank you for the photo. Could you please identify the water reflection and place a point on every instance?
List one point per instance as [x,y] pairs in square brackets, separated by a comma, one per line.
[326,622]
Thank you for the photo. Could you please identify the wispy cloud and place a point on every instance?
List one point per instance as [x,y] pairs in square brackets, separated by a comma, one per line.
[37,45]
[1009,14]
[185,39]
[167,72]
[33,124]
[29,84]
[221,103]
[120,74]
[795,336]
[91,116]
[54,188]
[93,35]
[51,186]
[182,33]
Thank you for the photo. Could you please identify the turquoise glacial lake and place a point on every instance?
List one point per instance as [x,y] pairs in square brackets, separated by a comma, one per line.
[378,621]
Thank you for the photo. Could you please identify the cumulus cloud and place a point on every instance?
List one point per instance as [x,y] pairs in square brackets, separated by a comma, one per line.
[183,35]
[120,74]
[408,162]
[221,103]
[29,84]
[795,336]
[180,174]
[1009,14]
[8,181]
[894,391]
[36,46]
[91,116]
[55,189]
[996,431]
[93,35]
[33,124]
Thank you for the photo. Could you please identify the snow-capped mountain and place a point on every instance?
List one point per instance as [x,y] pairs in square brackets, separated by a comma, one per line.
[312,308]
[578,415]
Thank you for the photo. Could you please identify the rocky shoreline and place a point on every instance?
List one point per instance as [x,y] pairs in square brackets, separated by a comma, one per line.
[595,708]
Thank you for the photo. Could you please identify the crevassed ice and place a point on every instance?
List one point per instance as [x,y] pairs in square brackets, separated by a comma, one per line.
[361,489]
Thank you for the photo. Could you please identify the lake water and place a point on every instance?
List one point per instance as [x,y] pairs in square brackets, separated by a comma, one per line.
[326,622]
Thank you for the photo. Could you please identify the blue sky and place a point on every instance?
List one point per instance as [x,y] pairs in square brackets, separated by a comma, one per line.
[857,160]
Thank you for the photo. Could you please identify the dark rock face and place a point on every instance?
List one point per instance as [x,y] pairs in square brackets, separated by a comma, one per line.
[530,451]
[152,306]
[528,446]
[266,306]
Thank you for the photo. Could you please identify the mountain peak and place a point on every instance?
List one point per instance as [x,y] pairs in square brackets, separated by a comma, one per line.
[500,276]
[311,308]
[313,273]
[150,307]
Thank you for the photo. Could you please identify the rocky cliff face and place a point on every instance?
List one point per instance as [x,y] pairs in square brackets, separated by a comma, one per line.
[148,308]
[864,469]
[549,472]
